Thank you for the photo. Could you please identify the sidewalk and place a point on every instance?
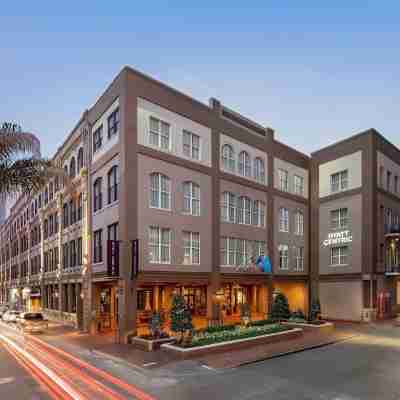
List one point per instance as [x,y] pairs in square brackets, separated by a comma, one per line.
[105,346]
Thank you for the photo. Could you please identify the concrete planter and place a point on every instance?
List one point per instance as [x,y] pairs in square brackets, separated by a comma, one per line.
[185,353]
[325,327]
[151,345]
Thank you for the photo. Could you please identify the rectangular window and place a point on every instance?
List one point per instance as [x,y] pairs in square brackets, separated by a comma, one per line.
[79,251]
[97,138]
[299,185]
[98,246]
[339,255]
[339,181]
[388,180]
[339,218]
[159,135]
[191,247]
[283,180]
[284,220]
[283,256]
[299,225]
[113,123]
[112,232]
[299,259]
[191,145]
[159,245]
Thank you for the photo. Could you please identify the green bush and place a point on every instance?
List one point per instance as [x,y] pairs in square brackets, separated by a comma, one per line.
[220,328]
[236,334]
[280,308]
[262,322]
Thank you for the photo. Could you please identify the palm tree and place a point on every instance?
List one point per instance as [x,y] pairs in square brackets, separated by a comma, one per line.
[22,170]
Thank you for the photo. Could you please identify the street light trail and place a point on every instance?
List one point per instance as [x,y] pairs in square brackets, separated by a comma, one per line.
[52,389]
[132,390]
[75,376]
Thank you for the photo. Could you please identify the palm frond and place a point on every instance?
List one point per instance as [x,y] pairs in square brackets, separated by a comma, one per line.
[25,176]
[13,144]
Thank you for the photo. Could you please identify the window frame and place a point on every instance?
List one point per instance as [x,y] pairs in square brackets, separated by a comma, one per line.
[189,247]
[157,192]
[159,134]
[244,164]
[284,219]
[159,245]
[228,157]
[283,250]
[189,198]
[98,246]
[339,256]
[191,148]
[114,119]
[98,139]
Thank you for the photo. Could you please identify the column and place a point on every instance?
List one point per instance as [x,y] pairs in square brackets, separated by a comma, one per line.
[254,298]
[156,298]
[70,297]
[29,253]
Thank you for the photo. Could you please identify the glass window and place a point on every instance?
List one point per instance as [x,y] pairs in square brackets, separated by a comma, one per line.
[160,196]
[299,185]
[259,170]
[191,145]
[191,198]
[339,218]
[113,123]
[112,181]
[283,219]
[339,255]
[299,259]
[112,231]
[228,158]
[284,256]
[299,223]
[72,168]
[191,247]
[339,181]
[98,246]
[258,213]
[159,134]
[244,210]
[98,195]
[283,180]
[244,164]
[80,159]
[228,207]
[159,245]
[97,139]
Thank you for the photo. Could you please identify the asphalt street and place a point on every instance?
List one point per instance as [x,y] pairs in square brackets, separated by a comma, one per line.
[16,382]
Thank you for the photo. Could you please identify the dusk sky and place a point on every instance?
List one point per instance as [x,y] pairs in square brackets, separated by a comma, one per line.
[314,73]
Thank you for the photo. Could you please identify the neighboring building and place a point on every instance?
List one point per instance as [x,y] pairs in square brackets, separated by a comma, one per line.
[206,191]
[355,211]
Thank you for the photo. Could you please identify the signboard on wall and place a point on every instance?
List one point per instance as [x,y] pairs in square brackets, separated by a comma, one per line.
[335,238]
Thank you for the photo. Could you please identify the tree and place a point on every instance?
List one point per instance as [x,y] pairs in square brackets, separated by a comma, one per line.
[315,310]
[181,317]
[280,308]
[22,170]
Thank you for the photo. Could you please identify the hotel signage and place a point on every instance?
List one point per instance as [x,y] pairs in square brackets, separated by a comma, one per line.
[334,238]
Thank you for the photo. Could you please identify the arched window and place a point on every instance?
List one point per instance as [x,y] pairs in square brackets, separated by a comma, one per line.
[258,213]
[228,157]
[72,168]
[97,194]
[191,198]
[244,210]
[228,207]
[56,184]
[244,164]
[112,184]
[259,170]
[160,187]
[80,159]
[66,174]
[284,219]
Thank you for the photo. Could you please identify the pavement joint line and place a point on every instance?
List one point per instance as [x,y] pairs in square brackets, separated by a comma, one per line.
[287,353]
[149,364]
[56,379]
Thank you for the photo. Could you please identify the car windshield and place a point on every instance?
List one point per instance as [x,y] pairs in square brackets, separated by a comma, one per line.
[33,317]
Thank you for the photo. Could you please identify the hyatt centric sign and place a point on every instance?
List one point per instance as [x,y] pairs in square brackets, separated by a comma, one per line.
[342,237]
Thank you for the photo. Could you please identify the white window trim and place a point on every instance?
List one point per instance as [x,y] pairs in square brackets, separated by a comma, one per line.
[299,216]
[160,175]
[191,248]
[190,157]
[159,245]
[284,247]
[340,256]
[191,199]
[159,146]
[284,227]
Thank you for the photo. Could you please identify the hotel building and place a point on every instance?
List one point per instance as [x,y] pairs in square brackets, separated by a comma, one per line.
[206,191]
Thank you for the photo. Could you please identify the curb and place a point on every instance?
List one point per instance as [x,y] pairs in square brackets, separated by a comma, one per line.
[287,353]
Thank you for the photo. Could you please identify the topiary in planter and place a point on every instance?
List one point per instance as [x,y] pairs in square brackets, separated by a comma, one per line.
[280,308]
[181,318]
[156,324]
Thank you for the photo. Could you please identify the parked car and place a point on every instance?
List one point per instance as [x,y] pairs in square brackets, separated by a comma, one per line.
[3,309]
[33,322]
[10,316]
